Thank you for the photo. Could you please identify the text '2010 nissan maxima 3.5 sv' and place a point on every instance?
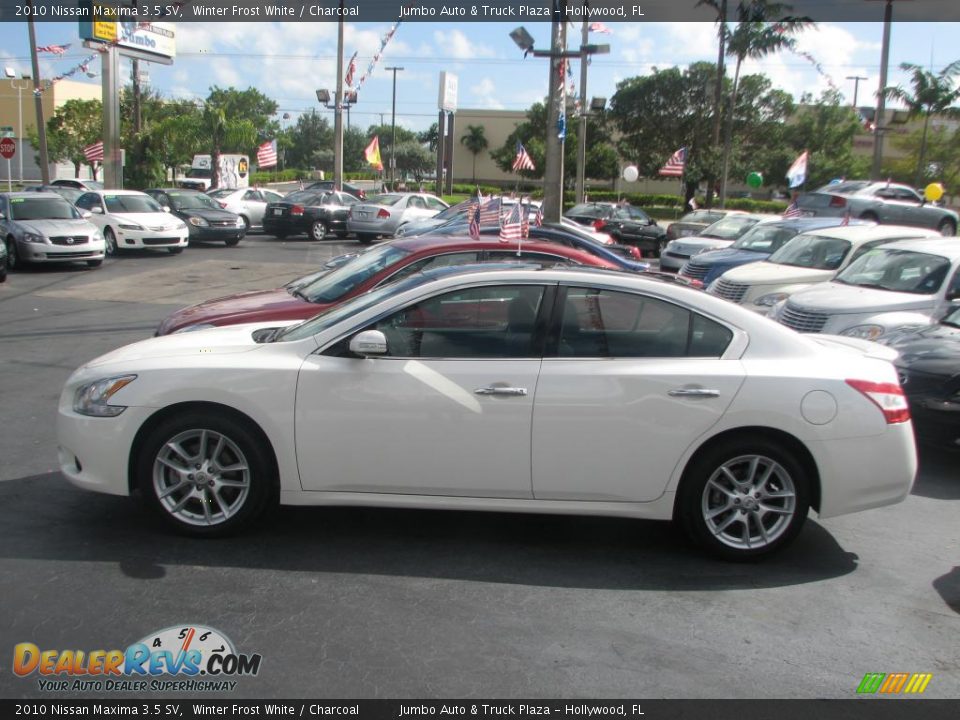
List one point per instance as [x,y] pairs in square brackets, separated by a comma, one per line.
[470,388]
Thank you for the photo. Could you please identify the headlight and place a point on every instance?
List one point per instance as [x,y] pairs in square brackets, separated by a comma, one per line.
[130,226]
[34,238]
[191,328]
[91,399]
[198,221]
[771,299]
[865,332]
[97,235]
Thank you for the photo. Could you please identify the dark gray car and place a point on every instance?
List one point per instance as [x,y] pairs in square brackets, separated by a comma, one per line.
[882,202]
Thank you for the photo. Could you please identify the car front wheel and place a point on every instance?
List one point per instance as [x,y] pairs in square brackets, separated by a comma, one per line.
[318,230]
[744,500]
[947,228]
[205,475]
[13,260]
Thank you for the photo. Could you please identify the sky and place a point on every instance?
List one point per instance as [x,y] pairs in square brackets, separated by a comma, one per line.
[290,61]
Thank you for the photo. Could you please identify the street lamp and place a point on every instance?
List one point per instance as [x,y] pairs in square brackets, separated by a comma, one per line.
[349,100]
[11,73]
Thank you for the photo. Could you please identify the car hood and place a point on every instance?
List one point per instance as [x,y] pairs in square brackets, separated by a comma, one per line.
[696,243]
[730,256]
[207,214]
[767,273]
[935,350]
[57,227]
[151,220]
[835,298]
[213,341]
[253,306]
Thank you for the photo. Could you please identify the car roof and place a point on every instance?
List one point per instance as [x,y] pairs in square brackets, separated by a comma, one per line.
[421,243]
[947,247]
[816,223]
[875,232]
[32,194]
[179,190]
[117,192]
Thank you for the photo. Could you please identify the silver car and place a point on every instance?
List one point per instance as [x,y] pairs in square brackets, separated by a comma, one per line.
[43,227]
[248,203]
[382,215]
[882,202]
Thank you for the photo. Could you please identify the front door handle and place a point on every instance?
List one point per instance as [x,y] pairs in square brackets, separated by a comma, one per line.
[693,392]
[498,390]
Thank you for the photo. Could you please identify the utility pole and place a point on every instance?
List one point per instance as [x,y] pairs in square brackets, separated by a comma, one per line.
[878,119]
[553,167]
[38,99]
[338,111]
[582,133]
[856,86]
[393,129]
[718,91]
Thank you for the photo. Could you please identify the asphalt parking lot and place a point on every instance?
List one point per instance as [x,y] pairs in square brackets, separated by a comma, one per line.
[359,603]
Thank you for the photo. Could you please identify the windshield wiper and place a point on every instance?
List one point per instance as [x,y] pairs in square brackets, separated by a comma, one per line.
[298,293]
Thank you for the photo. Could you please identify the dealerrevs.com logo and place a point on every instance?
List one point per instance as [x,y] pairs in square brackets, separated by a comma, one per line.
[198,658]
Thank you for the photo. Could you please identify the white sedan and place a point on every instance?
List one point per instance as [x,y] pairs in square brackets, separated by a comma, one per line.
[248,203]
[131,219]
[469,388]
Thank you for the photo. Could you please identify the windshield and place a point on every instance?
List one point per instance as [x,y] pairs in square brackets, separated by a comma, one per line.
[337,283]
[199,173]
[904,271]
[812,251]
[764,238]
[192,201]
[42,208]
[730,228]
[309,197]
[845,188]
[131,204]
[702,216]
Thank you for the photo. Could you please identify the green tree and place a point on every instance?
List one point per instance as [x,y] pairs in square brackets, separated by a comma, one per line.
[754,37]
[249,104]
[476,142]
[942,153]
[311,134]
[74,125]
[413,160]
[931,94]
[430,137]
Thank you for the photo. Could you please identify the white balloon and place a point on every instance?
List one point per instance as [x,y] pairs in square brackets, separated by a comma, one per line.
[630,173]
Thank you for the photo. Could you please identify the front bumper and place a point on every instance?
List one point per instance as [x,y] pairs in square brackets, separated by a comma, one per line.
[672,262]
[152,239]
[214,233]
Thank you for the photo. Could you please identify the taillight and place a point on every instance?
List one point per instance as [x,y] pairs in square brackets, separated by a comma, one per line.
[361,194]
[296,210]
[888,397]
[383,214]
[635,253]
[837,202]
[599,224]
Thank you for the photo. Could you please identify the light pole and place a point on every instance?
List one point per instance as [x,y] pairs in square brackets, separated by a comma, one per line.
[878,120]
[856,85]
[393,129]
[10,73]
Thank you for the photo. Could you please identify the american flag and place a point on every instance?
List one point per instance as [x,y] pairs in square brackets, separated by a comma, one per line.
[599,27]
[351,70]
[490,212]
[676,163]
[53,49]
[522,161]
[474,210]
[846,218]
[267,154]
[512,227]
[538,220]
[792,211]
[94,153]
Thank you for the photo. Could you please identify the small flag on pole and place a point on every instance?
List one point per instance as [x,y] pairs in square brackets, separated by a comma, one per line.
[94,153]
[53,49]
[475,217]
[676,164]
[792,211]
[372,153]
[267,154]
[351,70]
[599,27]
[522,161]
[797,174]
[512,227]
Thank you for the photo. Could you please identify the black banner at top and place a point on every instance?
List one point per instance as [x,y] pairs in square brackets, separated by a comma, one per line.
[513,11]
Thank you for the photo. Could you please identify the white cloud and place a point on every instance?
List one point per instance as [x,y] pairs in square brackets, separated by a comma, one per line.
[485,95]
[453,43]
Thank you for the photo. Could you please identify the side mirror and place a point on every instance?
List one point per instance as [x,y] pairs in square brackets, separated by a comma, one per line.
[86,214]
[96,209]
[369,343]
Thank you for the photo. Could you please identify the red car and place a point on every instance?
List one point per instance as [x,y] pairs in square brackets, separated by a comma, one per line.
[383,263]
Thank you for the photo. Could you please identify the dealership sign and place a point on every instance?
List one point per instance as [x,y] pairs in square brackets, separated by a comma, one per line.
[156,38]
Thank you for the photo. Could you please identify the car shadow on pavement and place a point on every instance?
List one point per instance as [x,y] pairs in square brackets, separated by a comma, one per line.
[43,518]
[948,586]
[939,474]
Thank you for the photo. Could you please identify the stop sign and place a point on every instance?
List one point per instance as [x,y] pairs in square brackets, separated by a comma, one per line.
[8,148]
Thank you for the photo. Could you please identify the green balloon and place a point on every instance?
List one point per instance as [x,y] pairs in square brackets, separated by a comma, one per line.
[754,179]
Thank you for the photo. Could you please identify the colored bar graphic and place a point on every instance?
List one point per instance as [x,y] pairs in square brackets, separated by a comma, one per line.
[871,683]
[894,683]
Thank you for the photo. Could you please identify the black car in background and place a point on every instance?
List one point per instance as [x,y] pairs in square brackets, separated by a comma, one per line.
[624,223]
[70,194]
[205,219]
[929,370]
[309,212]
[358,193]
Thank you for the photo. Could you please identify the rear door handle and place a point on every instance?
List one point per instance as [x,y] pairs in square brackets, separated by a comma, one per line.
[693,392]
[497,390]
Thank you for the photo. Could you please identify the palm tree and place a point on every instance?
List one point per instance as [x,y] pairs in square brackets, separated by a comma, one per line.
[755,37]
[932,94]
[214,130]
[476,142]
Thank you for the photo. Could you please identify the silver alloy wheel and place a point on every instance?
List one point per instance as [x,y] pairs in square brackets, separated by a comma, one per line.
[201,477]
[749,502]
[110,241]
[318,231]
[13,260]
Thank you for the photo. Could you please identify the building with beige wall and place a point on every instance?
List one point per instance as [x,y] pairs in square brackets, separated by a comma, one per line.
[18,111]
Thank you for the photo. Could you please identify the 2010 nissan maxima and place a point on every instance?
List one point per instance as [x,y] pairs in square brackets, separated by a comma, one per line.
[470,388]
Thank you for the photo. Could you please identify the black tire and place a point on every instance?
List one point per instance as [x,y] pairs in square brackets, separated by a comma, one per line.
[318,230]
[94,263]
[110,241]
[870,217]
[947,227]
[280,236]
[224,509]
[661,245]
[231,242]
[706,488]
[366,238]
[175,250]
[13,259]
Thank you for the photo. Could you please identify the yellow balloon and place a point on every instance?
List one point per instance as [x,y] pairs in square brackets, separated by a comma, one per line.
[933,192]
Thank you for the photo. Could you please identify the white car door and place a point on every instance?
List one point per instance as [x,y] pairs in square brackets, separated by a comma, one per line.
[88,202]
[446,412]
[630,382]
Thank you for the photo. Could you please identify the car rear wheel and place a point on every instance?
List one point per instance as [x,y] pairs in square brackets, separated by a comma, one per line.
[13,260]
[744,500]
[205,475]
[110,240]
[318,230]
[870,217]
[947,227]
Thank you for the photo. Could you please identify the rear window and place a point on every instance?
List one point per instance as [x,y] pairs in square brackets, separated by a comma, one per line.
[592,211]
[845,188]
[386,200]
[306,197]
[764,239]
[730,228]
